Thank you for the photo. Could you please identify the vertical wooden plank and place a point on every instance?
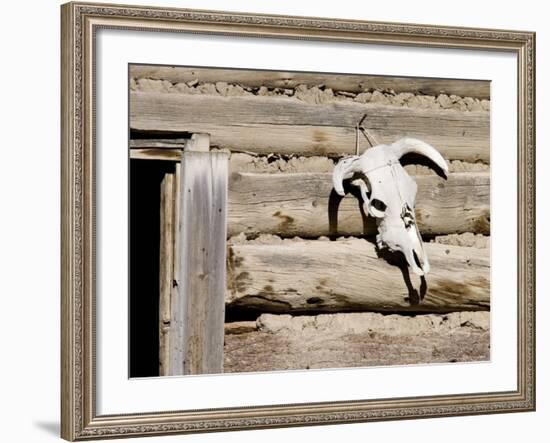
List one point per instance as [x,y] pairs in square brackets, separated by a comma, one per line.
[176,324]
[217,237]
[199,310]
[166,267]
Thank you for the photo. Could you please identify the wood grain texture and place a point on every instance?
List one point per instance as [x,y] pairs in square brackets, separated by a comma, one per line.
[200,308]
[290,126]
[338,82]
[348,275]
[175,348]
[303,204]
[166,268]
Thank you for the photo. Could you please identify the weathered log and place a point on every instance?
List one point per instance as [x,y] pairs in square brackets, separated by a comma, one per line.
[290,126]
[302,204]
[338,82]
[348,275]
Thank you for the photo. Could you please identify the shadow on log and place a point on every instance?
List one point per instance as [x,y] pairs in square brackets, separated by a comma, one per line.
[369,224]
[398,259]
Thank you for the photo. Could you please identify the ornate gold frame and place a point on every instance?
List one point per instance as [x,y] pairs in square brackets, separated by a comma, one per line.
[79,420]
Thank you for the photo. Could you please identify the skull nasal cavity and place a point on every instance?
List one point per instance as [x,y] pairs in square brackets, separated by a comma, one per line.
[378,204]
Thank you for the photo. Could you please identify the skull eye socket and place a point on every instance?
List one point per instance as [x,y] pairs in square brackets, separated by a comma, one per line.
[378,204]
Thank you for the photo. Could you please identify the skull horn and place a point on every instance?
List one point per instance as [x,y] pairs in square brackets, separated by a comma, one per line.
[412,145]
[344,170]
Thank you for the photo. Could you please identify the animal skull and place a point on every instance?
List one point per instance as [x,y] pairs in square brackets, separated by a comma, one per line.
[389,195]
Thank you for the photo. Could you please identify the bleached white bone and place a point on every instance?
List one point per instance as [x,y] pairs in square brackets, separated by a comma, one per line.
[389,195]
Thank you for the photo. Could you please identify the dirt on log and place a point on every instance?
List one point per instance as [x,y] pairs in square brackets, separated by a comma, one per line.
[316,94]
[468,239]
[348,275]
[274,163]
[177,76]
[283,342]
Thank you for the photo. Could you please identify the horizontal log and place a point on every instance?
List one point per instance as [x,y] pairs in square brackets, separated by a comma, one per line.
[338,82]
[319,276]
[290,126]
[301,204]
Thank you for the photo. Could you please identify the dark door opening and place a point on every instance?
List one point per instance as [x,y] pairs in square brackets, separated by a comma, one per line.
[145,182]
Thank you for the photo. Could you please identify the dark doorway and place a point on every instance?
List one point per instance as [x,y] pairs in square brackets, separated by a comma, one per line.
[145,181]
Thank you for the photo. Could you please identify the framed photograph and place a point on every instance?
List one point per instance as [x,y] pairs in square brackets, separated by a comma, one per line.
[283,221]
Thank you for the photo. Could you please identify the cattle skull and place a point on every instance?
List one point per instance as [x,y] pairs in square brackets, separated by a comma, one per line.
[389,195]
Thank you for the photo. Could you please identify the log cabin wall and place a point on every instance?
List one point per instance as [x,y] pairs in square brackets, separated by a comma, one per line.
[306,287]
